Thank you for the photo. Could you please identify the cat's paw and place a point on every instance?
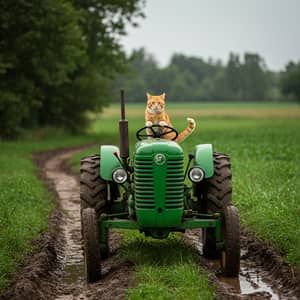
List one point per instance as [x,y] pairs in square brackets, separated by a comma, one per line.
[163,123]
[149,123]
[192,122]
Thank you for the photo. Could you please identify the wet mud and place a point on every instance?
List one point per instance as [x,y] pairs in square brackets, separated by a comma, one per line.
[263,275]
[55,269]
[116,272]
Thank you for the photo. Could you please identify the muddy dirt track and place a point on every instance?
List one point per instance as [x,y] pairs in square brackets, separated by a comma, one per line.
[55,270]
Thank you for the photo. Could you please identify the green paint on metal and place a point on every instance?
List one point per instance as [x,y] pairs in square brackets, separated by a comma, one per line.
[204,159]
[108,161]
[113,215]
[186,224]
[199,223]
[122,224]
[219,237]
[131,209]
[103,238]
[159,183]
[163,231]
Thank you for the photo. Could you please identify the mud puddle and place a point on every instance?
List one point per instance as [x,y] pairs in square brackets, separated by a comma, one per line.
[253,282]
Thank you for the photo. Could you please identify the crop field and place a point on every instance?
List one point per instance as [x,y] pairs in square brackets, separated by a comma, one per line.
[263,142]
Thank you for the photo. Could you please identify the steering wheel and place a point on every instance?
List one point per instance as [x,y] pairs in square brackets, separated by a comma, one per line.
[155,134]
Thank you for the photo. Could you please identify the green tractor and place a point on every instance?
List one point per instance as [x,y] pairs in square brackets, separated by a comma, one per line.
[149,194]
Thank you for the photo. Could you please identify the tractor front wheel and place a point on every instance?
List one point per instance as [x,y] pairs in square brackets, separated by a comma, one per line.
[91,245]
[230,255]
[93,191]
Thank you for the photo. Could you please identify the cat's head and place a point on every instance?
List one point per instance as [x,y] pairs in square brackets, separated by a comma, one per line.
[156,104]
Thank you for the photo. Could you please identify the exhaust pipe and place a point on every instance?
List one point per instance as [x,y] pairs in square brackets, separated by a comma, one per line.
[123,129]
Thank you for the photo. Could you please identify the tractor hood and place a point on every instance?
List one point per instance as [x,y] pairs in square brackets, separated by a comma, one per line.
[151,146]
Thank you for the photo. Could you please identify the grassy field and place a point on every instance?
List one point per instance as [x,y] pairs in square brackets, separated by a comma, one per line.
[217,110]
[25,203]
[263,142]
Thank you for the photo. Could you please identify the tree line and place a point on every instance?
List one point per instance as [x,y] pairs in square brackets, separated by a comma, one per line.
[188,78]
[57,59]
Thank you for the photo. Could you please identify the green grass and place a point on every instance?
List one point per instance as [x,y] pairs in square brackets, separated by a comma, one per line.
[25,203]
[215,110]
[165,269]
[222,105]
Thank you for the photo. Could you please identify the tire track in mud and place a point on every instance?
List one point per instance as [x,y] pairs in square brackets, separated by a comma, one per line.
[55,270]
[116,272]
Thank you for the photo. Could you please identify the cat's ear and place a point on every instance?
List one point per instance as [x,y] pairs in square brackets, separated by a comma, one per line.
[148,95]
[163,96]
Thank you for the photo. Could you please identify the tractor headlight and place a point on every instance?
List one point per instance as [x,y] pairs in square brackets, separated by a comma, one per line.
[196,174]
[119,175]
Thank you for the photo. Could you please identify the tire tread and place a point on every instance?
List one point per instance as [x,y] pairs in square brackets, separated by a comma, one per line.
[91,245]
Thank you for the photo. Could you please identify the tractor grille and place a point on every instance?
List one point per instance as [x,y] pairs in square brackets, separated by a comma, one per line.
[172,176]
[174,183]
[144,186]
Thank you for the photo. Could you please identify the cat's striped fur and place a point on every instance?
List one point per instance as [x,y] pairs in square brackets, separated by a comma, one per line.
[155,114]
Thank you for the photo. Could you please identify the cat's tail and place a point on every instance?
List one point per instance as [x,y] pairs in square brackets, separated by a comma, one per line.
[186,132]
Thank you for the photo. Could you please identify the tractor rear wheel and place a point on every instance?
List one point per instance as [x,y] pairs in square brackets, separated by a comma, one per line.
[93,191]
[230,255]
[91,245]
[218,189]
[214,194]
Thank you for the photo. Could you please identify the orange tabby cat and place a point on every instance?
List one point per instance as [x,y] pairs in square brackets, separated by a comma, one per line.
[155,114]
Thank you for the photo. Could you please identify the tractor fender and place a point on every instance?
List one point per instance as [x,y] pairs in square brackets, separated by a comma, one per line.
[203,158]
[108,161]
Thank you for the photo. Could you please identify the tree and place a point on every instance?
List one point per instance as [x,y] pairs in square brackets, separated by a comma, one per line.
[195,65]
[40,46]
[253,76]
[141,70]
[58,58]
[233,79]
[290,80]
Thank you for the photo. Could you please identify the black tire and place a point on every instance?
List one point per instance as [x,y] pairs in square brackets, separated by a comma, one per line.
[91,245]
[218,189]
[230,255]
[214,195]
[93,191]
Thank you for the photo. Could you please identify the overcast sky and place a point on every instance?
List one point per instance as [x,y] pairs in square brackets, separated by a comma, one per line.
[213,28]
